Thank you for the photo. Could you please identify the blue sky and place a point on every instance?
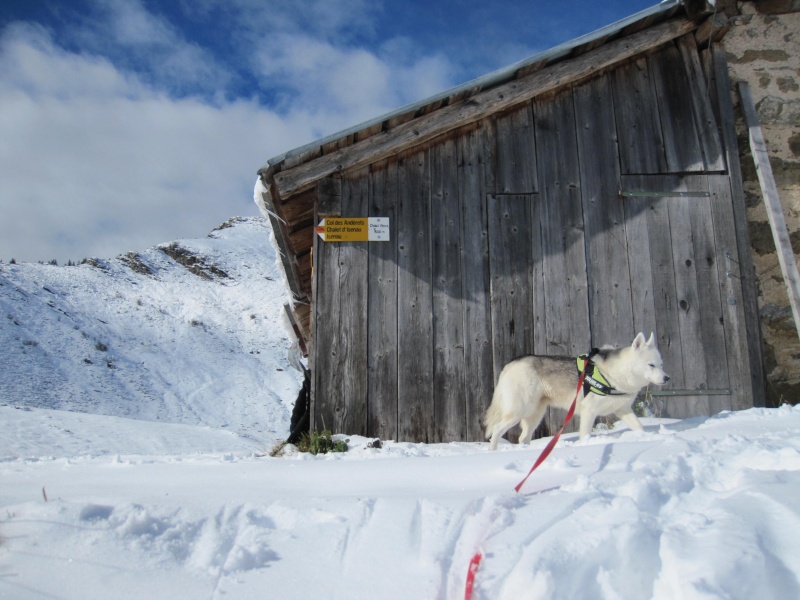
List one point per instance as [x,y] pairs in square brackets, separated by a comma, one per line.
[127,123]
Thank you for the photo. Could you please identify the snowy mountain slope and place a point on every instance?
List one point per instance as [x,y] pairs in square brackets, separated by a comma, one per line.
[144,336]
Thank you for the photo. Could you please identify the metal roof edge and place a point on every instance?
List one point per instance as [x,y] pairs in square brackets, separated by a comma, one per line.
[485,81]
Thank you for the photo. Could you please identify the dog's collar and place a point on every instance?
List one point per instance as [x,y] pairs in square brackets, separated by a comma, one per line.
[593,379]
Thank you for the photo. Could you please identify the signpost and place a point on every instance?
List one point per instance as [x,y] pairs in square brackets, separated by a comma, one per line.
[356,229]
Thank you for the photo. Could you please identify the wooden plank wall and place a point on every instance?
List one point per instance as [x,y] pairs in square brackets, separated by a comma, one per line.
[680,235]
[473,182]
[510,236]
[340,342]
[414,299]
[737,271]
[448,302]
[566,321]
[382,311]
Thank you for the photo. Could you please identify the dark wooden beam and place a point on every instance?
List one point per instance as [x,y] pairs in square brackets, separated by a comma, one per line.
[713,29]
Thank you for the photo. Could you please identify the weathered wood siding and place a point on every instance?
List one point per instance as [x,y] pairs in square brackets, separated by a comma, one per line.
[572,220]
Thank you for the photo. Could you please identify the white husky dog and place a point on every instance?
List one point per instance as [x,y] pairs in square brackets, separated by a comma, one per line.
[614,377]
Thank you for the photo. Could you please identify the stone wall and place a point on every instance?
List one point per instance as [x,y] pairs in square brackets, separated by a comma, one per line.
[763,48]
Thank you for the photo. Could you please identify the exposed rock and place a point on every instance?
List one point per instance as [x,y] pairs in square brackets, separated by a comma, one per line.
[134,261]
[194,264]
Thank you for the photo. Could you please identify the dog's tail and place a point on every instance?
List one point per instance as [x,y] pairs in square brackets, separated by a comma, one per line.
[493,415]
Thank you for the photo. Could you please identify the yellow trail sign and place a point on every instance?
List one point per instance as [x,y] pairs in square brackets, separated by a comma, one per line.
[356,229]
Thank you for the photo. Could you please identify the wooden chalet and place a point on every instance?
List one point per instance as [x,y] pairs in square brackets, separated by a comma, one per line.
[568,201]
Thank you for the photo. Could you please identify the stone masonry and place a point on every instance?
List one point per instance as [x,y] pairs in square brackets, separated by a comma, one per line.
[763,48]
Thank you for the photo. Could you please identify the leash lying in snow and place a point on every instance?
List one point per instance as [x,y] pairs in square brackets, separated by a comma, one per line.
[587,359]
[549,448]
[473,568]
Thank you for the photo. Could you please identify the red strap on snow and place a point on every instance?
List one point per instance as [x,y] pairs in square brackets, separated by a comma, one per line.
[473,569]
[549,448]
[476,559]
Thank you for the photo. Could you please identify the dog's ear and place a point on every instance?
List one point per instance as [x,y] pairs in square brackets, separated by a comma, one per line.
[638,341]
[651,341]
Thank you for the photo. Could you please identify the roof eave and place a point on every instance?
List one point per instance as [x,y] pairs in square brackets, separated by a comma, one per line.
[484,82]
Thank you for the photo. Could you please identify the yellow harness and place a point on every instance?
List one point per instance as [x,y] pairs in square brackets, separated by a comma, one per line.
[593,380]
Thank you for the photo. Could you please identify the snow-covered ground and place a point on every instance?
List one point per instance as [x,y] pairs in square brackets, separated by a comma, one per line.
[151,478]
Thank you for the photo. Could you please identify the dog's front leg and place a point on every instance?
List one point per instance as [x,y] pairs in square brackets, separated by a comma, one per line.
[630,419]
[587,418]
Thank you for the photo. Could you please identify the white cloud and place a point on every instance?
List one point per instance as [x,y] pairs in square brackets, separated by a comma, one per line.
[31,63]
[130,138]
[427,76]
[139,40]
[317,73]
[351,82]
[132,25]
[93,162]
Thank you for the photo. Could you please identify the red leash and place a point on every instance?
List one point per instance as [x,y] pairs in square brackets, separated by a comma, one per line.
[549,448]
[476,559]
[473,569]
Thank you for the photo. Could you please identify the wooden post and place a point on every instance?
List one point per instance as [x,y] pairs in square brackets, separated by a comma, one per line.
[774,212]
